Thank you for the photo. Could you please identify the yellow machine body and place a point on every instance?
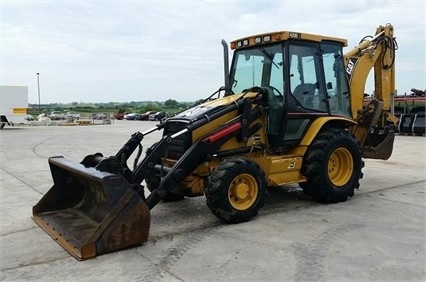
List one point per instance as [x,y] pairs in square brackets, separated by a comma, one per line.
[292,112]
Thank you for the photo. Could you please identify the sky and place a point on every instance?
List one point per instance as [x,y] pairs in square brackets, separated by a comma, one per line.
[122,51]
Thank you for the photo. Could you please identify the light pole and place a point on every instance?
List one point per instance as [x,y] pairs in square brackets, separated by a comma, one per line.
[38,86]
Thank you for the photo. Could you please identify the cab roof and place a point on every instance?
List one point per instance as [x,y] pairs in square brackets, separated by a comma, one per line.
[266,38]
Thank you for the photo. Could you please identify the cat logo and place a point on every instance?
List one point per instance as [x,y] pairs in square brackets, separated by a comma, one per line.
[351,65]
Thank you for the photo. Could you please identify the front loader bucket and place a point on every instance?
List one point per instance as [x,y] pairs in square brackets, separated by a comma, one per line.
[89,212]
[379,146]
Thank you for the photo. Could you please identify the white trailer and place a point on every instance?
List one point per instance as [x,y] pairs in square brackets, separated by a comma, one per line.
[13,105]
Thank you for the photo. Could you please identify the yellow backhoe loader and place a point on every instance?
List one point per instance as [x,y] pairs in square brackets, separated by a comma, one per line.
[291,111]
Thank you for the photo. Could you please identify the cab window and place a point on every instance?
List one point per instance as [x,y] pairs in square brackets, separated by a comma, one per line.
[335,79]
[260,67]
[305,76]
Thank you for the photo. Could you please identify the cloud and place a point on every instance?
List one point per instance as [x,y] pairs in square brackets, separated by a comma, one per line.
[156,50]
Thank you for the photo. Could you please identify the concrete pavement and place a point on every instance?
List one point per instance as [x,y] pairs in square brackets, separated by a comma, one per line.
[378,235]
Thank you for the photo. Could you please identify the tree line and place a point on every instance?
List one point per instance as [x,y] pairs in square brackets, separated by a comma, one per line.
[169,105]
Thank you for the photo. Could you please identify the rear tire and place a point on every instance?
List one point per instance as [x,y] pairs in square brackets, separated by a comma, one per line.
[236,190]
[332,166]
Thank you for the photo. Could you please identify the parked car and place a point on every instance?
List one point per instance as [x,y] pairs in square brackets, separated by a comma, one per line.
[131,116]
[120,116]
[29,117]
[72,115]
[56,115]
[157,116]
[146,115]
[100,116]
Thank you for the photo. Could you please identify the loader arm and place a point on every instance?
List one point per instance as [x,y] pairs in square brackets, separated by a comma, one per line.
[201,151]
[377,53]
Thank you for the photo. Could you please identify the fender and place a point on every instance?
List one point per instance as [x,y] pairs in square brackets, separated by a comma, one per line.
[319,123]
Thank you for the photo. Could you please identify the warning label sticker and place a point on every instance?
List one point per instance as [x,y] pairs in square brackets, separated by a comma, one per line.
[17,111]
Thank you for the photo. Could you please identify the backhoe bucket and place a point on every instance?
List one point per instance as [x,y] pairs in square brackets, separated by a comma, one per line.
[379,146]
[89,212]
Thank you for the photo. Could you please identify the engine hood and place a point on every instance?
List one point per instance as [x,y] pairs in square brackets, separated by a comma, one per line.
[208,107]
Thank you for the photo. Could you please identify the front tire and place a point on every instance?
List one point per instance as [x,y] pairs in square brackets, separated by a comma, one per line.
[332,166]
[236,190]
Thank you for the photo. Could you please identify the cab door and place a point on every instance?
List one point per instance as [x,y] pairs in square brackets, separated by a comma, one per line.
[314,78]
[304,91]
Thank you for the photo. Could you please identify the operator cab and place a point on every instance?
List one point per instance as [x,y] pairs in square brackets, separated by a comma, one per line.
[304,77]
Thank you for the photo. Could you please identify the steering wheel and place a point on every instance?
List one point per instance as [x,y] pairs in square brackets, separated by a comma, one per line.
[274,89]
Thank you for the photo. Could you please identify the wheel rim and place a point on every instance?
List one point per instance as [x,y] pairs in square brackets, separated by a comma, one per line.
[243,191]
[340,166]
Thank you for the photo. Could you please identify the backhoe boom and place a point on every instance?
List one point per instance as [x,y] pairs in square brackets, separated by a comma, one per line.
[375,121]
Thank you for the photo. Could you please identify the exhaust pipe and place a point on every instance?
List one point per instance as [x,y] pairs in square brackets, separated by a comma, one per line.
[226,67]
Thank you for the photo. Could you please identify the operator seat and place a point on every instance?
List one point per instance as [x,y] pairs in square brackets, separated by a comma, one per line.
[304,93]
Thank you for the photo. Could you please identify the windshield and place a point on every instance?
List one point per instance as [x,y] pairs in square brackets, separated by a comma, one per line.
[258,67]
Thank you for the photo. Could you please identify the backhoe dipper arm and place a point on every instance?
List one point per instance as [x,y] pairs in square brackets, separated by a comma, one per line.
[378,53]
